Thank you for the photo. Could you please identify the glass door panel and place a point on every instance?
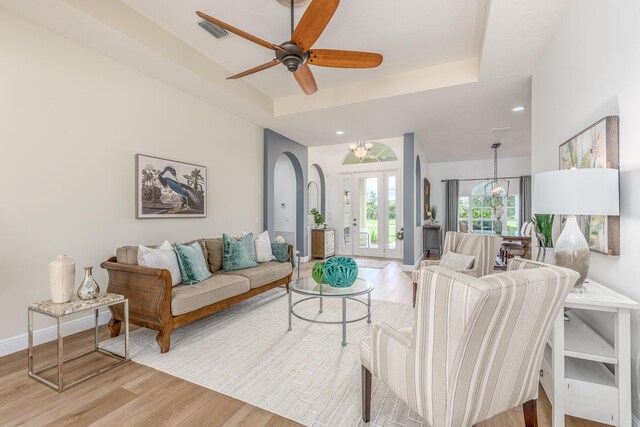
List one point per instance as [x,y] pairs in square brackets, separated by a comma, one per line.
[346,242]
[392,215]
[368,233]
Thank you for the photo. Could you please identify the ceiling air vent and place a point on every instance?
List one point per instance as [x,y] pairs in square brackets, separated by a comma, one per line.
[213,29]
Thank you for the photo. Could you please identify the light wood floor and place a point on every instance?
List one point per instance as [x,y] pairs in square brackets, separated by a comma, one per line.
[134,394]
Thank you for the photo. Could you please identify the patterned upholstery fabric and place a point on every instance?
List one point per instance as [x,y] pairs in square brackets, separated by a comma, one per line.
[484,247]
[476,345]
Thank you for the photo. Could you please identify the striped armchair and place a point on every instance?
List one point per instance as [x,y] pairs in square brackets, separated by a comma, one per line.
[484,247]
[475,347]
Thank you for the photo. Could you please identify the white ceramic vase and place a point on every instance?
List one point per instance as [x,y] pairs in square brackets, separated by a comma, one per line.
[62,277]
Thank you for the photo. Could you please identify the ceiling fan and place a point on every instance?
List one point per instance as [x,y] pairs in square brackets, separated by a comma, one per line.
[296,54]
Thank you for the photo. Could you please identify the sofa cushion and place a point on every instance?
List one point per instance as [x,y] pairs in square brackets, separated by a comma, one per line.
[162,257]
[129,254]
[238,253]
[187,298]
[456,262]
[193,265]
[213,249]
[264,273]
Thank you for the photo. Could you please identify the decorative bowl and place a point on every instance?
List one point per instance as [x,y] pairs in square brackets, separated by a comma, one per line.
[318,273]
[340,272]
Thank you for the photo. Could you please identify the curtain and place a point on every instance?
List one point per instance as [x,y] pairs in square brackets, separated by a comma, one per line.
[525,199]
[451,204]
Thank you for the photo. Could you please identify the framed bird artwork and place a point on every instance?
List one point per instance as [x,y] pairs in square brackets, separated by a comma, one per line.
[170,188]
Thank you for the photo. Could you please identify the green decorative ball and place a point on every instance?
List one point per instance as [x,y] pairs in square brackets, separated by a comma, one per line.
[318,272]
[340,272]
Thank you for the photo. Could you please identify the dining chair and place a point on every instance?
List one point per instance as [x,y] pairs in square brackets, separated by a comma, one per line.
[512,249]
[475,347]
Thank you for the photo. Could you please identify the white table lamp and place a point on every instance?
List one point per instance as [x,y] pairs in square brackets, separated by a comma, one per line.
[576,192]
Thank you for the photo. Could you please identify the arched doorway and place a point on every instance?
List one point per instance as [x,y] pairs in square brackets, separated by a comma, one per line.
[276,145]
[284,201]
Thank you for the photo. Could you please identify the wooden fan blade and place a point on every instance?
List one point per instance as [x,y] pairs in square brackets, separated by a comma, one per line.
[313,23]
[239,32]
[344,58]
[305,79]
[269,64]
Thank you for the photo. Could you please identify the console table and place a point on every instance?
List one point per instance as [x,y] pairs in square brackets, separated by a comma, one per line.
[431,238]
[573,372]
[64,310]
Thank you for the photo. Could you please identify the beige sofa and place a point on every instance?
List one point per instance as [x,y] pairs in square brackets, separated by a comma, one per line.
[155,304]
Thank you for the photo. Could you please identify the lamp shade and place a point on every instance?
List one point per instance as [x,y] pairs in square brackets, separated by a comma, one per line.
[577,192]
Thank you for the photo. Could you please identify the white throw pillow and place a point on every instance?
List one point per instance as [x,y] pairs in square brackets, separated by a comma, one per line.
[162,257]
[263,248]
[456,262]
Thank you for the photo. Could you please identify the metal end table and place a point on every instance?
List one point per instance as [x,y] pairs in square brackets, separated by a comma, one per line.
[61,311]
[308,287]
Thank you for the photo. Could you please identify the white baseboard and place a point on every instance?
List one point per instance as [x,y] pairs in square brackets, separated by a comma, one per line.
[416,264]
[40,336]
[635,421]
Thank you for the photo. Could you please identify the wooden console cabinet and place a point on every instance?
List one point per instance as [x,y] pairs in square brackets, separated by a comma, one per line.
[323,242]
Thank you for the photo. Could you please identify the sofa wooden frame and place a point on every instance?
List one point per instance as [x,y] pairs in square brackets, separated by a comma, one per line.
[149,293]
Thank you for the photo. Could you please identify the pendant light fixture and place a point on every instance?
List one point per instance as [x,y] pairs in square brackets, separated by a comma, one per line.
[494,188]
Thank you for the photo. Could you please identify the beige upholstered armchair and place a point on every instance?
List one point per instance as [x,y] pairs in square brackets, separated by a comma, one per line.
[484,247]
[475,347]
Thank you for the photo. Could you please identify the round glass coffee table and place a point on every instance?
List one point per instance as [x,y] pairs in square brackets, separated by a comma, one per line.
[306,286]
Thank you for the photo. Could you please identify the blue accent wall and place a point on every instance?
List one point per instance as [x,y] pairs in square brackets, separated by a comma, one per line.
[408,196]
[275,145]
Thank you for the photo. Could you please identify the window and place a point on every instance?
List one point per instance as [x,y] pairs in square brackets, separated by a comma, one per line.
[480,212]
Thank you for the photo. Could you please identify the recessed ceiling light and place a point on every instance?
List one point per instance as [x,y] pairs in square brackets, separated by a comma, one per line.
[339,132]
[518,108]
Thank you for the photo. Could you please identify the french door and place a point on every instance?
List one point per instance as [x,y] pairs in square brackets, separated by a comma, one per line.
[370,210]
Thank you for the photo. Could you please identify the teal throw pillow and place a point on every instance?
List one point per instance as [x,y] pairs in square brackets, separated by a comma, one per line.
[281,253]
[193,267]
[238,254]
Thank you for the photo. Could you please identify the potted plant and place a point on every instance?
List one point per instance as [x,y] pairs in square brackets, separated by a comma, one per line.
[318,218]
[434,211]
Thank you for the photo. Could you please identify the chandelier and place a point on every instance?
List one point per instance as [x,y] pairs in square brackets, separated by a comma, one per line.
[361,149]
[494,188]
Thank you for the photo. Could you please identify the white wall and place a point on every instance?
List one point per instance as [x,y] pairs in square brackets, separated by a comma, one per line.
[513,166]
[284,181]
[591,69]
[71,122]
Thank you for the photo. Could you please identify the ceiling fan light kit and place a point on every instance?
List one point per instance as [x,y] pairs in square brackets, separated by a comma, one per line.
[296,54]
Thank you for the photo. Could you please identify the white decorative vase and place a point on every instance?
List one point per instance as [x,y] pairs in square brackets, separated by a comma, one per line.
[88,289]
[572,251]
[62,278]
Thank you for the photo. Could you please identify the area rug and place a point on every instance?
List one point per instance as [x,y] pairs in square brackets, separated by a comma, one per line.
[306,374]
[372,263]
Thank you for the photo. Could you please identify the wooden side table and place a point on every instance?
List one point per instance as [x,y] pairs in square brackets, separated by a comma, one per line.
[60,312]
